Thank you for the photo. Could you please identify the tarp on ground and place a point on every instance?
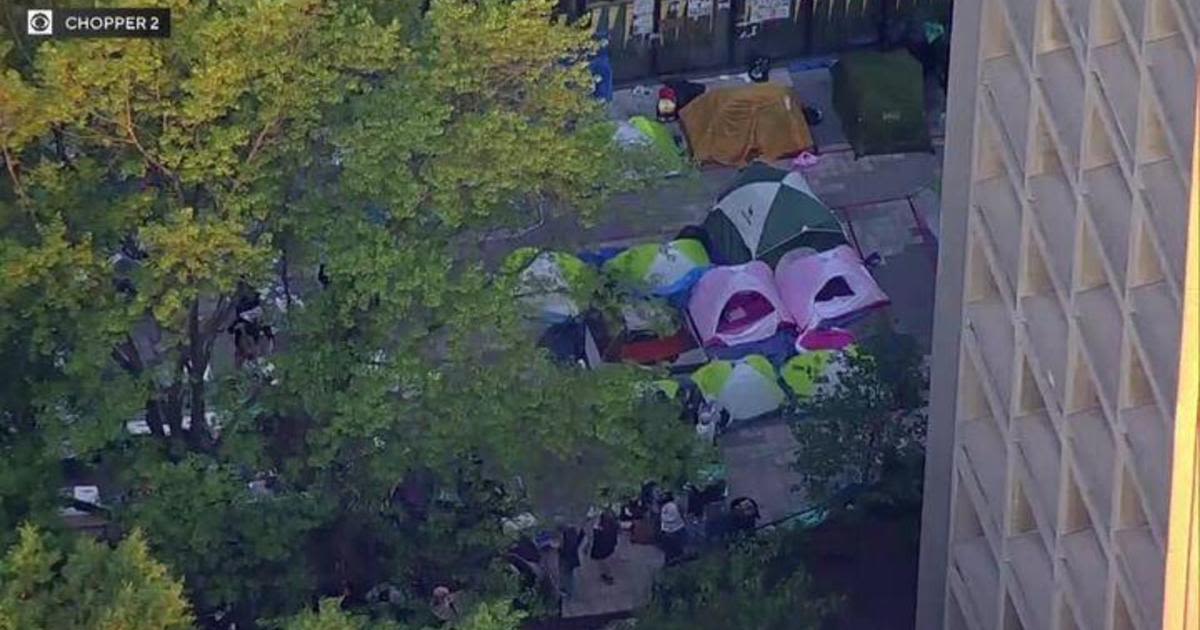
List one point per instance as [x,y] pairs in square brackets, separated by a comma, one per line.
[738,304]
[746,388]
[880,99]
[733,126]
[826,288]
[551,285]
[777,348]
[767,212]
[663,270]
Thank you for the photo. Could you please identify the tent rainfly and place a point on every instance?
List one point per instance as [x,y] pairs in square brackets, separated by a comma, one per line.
[766,213]
[737,305]
[828,288]
[663,270]
[733,126]
[746,388]
[880,98]
[548,283]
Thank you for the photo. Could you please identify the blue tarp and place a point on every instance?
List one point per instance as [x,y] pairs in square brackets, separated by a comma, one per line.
[597,258]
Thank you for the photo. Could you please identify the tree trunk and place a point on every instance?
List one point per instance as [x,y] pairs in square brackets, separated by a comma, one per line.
[200,435]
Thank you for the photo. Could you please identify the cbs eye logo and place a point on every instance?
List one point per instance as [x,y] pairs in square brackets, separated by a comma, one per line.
[39,22]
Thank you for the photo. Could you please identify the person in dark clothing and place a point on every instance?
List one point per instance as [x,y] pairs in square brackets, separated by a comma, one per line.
[743,513]
[524,556]
[568,557]
[604,543]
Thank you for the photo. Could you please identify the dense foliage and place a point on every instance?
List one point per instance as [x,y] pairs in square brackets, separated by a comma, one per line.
[759,583]
[89,587]
[342,158]
[867,427]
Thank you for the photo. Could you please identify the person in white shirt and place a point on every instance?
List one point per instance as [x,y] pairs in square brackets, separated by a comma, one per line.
[673,529]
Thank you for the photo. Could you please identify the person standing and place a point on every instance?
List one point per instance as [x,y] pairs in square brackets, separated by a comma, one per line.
[445,604]
[605,533]
[568,558]
[674,529]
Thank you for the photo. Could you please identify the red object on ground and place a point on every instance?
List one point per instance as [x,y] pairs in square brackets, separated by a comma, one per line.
[657,350]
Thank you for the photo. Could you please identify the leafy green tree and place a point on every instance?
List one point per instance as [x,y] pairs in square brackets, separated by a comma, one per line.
[868,426]
[760,582]
[93,587]
[350,163]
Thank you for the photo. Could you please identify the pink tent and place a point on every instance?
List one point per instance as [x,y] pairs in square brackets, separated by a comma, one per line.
[826,288]
[737,304]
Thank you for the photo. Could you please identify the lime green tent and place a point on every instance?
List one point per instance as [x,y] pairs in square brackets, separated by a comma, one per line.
[810,372]
[880,98]
[658,133]
[803,372]
[746,388]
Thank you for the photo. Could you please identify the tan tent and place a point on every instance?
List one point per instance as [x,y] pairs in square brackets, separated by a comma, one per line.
[734,126]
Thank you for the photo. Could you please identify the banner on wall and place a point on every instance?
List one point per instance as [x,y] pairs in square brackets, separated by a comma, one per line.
[766,10]
[697,9]
[643,17]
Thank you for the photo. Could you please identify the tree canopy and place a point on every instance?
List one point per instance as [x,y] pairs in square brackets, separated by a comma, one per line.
[868,422]
[338,159]
[89,587]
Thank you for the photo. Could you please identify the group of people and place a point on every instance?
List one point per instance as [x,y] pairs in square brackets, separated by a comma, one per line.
[553,558]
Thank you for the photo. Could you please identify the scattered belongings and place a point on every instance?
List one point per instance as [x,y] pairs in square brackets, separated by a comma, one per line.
[880,99]
[668,108]
[746,388]
[826,289]
[738,305]
[805,160]
[766,213]
[685,92]
[759,70]
[733,126]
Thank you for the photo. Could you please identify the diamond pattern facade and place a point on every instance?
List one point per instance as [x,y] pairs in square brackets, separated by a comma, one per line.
[1072,294]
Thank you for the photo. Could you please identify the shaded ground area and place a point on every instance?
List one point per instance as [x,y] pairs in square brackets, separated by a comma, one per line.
[633,566]
[874,564]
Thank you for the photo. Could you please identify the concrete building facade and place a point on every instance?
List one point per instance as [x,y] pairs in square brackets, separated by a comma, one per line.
[1061,477]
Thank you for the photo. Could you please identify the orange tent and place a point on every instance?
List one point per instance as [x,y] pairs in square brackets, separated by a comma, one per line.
[735,126]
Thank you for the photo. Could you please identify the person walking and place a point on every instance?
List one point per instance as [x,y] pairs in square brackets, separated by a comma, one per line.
[568,559]
[604,544]
[674,529]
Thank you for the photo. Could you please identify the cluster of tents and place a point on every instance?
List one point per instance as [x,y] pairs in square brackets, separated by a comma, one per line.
[755,299]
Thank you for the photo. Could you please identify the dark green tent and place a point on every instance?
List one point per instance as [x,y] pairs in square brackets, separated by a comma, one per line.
[880,98]
[766,213]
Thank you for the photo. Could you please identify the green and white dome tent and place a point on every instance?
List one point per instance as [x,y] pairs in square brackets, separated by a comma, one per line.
[746,388]
[766,213]
[663,270]
[552,285]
